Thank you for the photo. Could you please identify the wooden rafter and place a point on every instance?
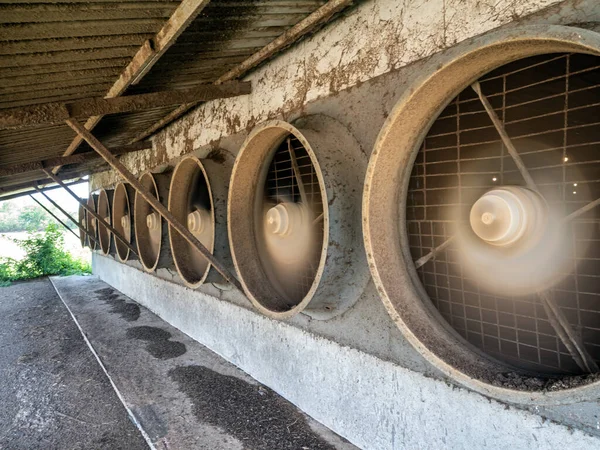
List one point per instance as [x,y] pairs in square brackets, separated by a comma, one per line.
[146,57]
[29,188]
[15,169]
[55,113]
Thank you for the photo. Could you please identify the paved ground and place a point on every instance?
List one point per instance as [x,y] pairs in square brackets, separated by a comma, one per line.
[184,395]
[53,392]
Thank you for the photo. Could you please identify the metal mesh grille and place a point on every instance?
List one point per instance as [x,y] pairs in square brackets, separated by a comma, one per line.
[281,186]
[550,107]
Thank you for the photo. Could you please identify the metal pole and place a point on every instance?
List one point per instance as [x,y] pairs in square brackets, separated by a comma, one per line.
[52,214]
[91,211]
[157,205]
[32,184]
[57,206]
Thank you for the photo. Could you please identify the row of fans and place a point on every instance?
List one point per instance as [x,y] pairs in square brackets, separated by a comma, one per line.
[479,227]
[279,232]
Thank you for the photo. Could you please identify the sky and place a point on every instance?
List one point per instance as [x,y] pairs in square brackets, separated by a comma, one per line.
[59,195]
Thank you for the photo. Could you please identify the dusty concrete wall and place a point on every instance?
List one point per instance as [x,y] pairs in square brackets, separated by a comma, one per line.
[354,71]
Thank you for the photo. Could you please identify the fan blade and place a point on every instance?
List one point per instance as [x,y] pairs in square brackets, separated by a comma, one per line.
[290,244]
[505,138]
[297,175]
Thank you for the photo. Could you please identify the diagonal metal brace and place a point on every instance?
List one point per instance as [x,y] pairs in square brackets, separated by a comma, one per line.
[152,200]
[57,206]
[567,335]
[91,211]
[53,215]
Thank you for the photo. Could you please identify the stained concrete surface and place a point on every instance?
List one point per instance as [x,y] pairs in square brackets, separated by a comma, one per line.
[54,394]
[182,394]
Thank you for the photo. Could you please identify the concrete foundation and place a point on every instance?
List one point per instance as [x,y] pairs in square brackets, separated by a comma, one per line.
[354,373]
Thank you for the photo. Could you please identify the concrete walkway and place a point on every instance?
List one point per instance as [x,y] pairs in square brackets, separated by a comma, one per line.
[53,392]
[181,394]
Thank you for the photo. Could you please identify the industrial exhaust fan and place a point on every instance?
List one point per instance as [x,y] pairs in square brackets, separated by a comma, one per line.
[151,235]
[122,220]
[481,216]
[293,218]
[104,210]
[198,199]
[92,222]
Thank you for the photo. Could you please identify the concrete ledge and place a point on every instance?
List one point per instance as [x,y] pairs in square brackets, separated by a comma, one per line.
[373,403]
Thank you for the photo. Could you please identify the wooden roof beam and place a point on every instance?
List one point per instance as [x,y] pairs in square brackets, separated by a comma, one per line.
[15,169]
[31,188]
[148,54]
[59,112]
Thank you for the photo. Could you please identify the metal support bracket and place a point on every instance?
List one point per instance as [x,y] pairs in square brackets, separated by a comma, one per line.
[57,206]
[91,211]
[53,215]
[153,201]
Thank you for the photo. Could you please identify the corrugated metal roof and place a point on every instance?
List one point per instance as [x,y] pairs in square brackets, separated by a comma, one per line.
[52,51]
[222,36]
[59,51]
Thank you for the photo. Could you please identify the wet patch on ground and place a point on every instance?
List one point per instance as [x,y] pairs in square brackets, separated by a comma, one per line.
[128,311]
[159,344]
[255,415]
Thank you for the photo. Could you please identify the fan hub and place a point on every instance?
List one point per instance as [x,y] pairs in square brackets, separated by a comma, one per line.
[281,218]
[505,215]
[197,220]
[152,221]
[125,222]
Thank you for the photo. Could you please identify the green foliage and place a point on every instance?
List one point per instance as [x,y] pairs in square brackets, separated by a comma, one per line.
[34,219]
[14,216]
[45,255]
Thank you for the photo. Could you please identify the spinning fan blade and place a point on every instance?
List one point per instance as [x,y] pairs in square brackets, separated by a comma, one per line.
[191,202]
[513,243]
[293,219]
[291,243]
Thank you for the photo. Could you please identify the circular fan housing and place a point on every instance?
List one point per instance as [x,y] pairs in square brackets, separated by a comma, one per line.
[104,234]
[447,212]
[150,234]
[92,222]
[122,219]
[293,205]
[82,221]
[190,201]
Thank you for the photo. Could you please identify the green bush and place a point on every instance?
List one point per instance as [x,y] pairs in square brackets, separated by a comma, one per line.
[45,255]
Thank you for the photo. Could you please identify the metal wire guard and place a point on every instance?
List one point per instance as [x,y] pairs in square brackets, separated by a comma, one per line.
[549,106]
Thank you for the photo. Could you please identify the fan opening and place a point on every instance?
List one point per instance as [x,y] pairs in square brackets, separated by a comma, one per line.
[549,106]
[148,225]
[190,201]
[104,206]
[122,220]
[289,230]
